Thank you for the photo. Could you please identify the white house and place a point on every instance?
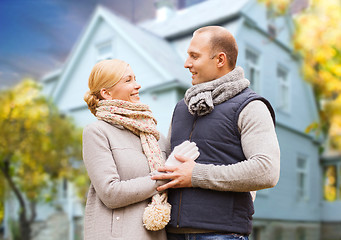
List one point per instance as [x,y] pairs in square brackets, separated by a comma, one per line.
[156,50]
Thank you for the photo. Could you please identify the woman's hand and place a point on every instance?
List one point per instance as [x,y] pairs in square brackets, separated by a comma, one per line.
[186,149]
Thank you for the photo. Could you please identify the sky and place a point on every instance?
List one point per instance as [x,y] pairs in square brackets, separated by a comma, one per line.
[36,36]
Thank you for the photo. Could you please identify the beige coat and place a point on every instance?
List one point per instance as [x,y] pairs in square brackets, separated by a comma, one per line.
[121,186]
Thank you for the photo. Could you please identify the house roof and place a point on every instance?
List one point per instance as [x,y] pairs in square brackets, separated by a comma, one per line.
[158,49]
[189,19]
[150,38]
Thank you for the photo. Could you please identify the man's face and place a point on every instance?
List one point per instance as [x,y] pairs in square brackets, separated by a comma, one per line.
[200,61]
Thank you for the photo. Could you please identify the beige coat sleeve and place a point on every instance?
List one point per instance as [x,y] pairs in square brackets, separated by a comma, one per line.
[104,176]
[261,167]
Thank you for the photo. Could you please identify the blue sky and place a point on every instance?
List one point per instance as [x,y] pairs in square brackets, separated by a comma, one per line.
[36,36]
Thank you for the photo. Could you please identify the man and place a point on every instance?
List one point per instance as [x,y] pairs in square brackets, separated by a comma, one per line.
[234,130]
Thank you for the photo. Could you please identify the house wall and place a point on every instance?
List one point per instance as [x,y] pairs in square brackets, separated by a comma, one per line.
[50,84]
[302,109]
[162,104]
[279,211]
[71,96]
[283,202]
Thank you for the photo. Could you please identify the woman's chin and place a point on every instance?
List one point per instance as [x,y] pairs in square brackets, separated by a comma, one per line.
[135,100]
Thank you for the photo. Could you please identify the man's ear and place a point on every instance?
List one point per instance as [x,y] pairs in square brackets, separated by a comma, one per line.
[105,94]
[221,59]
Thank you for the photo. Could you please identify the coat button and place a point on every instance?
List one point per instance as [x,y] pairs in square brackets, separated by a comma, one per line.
[117,218]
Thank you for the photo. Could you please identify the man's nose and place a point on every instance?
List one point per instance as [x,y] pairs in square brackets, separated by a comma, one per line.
[187,63]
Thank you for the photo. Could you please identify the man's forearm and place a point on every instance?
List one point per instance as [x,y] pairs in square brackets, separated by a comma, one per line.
[261,167]
[254,174]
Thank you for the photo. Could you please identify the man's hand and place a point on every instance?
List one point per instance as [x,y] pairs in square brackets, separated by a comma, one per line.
[180,176]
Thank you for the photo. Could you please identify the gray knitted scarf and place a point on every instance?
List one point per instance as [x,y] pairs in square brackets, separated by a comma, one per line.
[201,98]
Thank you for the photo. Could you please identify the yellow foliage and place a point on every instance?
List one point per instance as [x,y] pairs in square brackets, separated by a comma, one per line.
[36,141]
[317,37]
[330,183]
[336,70]
[2,200]
[278,7]
[330,193]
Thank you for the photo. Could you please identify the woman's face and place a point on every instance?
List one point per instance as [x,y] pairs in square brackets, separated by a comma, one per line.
[126,88]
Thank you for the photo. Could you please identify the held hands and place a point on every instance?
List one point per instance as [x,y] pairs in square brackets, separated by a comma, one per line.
[179,166]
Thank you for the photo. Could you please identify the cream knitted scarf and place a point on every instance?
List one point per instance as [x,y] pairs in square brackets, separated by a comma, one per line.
[138,118]
[201,98]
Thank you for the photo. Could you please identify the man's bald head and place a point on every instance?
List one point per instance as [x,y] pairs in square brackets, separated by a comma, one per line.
[221,40]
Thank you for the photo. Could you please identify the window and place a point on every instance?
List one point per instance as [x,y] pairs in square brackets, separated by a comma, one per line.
[180,93]
[284,93]
[104,51]
[252,69]
[302,178]
[331,183]
[278,234]
[272,30]
[256,233]
[300,234]
[65,188]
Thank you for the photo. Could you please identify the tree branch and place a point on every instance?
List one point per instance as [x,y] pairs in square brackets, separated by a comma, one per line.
[33,211]
[5,170]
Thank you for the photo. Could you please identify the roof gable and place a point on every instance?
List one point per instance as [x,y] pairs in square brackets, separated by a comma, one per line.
[157,50]
[148,45]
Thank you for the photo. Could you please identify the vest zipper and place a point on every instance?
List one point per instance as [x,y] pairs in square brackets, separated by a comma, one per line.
[190,137]
[194,123]
[177,221]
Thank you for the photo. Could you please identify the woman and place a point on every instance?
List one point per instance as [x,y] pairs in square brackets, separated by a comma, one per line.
[119,151]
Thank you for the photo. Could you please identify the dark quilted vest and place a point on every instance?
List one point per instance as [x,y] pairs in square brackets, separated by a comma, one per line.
[217,136]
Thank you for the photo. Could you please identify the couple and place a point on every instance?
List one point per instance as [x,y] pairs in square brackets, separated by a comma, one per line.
[209,198]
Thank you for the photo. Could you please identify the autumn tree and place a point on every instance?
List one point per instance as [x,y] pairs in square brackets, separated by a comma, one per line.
[2,200]
[38,146]
[317,38]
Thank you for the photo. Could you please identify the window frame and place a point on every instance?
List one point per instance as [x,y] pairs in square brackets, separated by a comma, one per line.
[255,84]
[305,196]
[283,83]
[106,55]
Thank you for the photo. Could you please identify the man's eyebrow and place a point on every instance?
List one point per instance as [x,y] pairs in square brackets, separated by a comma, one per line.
[192,52]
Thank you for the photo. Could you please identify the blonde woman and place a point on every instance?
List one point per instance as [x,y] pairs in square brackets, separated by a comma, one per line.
[120,152]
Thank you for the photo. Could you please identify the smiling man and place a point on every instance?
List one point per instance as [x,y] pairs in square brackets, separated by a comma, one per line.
[235,132]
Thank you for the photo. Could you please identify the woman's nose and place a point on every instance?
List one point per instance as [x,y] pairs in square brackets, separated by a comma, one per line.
[137,85]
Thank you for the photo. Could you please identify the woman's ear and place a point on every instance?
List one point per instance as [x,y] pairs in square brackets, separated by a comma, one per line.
[105,94]
[221,59]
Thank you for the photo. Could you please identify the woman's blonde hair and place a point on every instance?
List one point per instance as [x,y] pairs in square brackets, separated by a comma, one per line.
[105,74]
